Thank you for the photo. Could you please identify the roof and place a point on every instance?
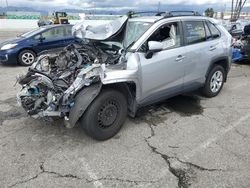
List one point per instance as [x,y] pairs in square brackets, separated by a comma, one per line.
[190,17]
[151,19]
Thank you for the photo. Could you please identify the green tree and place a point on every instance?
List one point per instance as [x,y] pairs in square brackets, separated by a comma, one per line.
[209,12]
[130,13]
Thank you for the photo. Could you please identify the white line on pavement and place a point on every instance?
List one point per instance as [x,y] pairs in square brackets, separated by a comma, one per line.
[212,140]
[91,174]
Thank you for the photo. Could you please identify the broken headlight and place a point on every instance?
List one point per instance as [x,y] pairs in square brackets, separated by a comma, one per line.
[44,63]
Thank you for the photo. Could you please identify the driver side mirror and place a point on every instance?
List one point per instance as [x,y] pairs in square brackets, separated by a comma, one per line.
[42,38]
[153,47]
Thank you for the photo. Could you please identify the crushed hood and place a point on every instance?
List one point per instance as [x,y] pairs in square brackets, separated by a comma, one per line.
[109,31]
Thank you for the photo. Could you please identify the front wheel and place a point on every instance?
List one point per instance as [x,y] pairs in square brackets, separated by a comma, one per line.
[214,82]
[26,57]
[106,115]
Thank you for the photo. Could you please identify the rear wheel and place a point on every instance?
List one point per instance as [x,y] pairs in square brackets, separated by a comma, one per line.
[26,57]
[106,115]
[214,82]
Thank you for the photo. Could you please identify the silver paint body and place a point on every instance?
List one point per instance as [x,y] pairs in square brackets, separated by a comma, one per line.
[165,74]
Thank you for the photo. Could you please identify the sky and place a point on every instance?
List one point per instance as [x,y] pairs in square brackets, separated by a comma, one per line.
[110,4]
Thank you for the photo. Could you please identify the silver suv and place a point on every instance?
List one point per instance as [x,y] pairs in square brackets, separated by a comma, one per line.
[124,65]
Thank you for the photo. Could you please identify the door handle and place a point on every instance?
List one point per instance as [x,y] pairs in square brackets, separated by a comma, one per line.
[180,58]
[212,48]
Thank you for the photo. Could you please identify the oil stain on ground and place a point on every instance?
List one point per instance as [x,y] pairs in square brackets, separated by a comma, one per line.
[153,114]
[13,113]
[183,105]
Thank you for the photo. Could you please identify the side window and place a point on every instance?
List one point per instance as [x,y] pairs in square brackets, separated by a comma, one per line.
[194,32]
[68,31]
[215,32]
[54,33]
[168,35]
[208,32]
[37,37]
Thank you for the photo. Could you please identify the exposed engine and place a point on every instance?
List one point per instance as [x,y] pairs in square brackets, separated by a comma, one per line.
[49,87]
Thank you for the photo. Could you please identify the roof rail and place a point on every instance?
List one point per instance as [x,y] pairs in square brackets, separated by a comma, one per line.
[132,14]
[155,13]
[181,13]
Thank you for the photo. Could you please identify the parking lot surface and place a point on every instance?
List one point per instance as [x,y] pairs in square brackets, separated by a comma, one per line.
[6,34]
[187,141]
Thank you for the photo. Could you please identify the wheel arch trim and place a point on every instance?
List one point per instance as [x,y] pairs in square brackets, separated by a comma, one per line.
[130,90]
[220,61]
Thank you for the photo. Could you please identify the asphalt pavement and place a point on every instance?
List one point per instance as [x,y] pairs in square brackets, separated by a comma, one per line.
[186,141]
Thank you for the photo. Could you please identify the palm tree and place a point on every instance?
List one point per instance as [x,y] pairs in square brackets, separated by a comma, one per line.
[209,12]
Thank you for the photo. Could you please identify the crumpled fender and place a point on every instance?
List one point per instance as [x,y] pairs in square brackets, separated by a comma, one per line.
[82,100]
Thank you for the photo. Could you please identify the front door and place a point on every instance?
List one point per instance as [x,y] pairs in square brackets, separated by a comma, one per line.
[51,39]
[162,75]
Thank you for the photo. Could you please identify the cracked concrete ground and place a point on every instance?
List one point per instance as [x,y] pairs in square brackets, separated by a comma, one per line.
[187,141]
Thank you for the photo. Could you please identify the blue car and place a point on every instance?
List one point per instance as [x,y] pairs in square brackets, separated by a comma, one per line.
[24,49]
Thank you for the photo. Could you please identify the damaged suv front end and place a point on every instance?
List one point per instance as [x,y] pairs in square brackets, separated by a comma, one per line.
[63,84]
[52,82]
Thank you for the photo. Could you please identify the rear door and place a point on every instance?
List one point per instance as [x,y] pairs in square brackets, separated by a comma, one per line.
[201,48]
[68,37]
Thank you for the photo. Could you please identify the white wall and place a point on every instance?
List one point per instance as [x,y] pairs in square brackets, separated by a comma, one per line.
[17,24]
[13,24]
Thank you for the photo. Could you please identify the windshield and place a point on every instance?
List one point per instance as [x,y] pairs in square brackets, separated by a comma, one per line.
[33,32]
[134,31]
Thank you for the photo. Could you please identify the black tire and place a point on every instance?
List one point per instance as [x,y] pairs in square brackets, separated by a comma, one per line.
[208,90]
[105,116]
[29,55]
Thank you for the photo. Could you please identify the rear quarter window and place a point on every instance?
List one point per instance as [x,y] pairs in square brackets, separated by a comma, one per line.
[214,30]
[208,32]
[194,32]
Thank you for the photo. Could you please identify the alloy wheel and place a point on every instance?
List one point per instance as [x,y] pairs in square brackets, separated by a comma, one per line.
[216,81]
[28,58]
